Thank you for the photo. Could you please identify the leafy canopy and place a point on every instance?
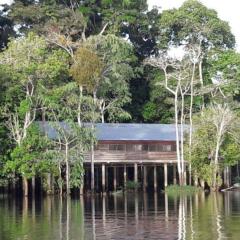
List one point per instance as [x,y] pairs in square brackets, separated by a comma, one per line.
[87,68]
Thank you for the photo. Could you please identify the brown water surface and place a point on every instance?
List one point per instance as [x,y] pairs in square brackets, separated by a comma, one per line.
[132,216]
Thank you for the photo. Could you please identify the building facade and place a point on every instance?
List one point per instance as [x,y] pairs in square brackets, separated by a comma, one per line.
[143,153]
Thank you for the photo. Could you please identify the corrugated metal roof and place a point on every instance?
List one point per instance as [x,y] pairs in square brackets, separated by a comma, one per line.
[124,131]
[127,131]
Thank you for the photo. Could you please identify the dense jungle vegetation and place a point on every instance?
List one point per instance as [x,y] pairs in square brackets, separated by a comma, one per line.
[71,62]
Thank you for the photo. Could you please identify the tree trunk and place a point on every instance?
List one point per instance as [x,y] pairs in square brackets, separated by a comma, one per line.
[191,107]
[215,169]
[67,170]
[33,185]
[201,80]
[52,184]
[195,179]
[92,146]
[92,168]
[177,140]
[14,183]
[102,116]
[202,183]
[81,190]
[80,106]
[191,123]
[49,185]
[190,174]
[182,139]
[60,179]
[238,168]
[200,72]
[25,186]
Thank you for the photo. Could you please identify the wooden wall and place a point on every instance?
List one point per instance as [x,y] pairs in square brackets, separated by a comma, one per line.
[134,151]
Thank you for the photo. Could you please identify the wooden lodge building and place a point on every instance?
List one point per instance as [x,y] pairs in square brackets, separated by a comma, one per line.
[143,153]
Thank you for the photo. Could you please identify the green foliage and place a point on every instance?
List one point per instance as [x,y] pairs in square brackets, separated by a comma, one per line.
[230,153]
[30,66]
[29,159]
[74,19]
[44,17]
[204,142]
[23,57]
[176,190]
[131,185]
[150,112]
[5,143]
[196,28]
[223,66]
[207,172]
[111,49]
[113,89]
[159,108]
[237,180]
[70,144]
[193,22]
[37,77]
[77,173]
[87,68]
[25,106]
[55,68]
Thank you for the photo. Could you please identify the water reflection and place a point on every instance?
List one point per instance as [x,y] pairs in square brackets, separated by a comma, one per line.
[93,217]
[124,216]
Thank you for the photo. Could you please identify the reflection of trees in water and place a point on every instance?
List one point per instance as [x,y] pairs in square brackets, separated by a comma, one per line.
[136,209]
[67,217]
[182,218]
[70,218]
[191,217]
[60,218]
[93,218]
[104,210]
[137,216]
[82,227]
[218,207]
[200,217]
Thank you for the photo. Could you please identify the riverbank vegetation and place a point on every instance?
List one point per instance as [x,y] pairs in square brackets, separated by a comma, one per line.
[175,190]
[67,63]
[131,185]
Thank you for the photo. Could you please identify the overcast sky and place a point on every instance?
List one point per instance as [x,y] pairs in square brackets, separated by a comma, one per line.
[5,1]
[228,10]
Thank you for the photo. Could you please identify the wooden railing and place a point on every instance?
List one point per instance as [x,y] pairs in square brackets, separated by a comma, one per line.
[121,157]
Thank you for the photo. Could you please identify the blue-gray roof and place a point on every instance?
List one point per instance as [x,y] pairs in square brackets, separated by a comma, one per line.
[123,131]
[136,132]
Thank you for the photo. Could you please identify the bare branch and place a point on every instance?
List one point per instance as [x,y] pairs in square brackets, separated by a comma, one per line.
[103,29]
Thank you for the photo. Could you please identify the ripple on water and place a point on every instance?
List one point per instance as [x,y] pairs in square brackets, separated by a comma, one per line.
[134,217]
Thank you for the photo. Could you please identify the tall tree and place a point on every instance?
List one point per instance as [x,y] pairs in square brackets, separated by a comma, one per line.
[195,28]
[177,81]
[29,159]
[87,71]
[160,107]
[224,73]
[26,62]
[119,62]
[68,23]
[215,143]
[70,138]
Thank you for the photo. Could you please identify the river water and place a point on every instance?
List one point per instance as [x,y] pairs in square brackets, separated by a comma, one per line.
[131,216]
